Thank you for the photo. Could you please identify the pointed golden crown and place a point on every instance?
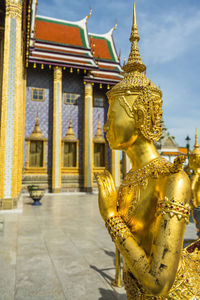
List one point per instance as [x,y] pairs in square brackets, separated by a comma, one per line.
[148,95]
[134,78]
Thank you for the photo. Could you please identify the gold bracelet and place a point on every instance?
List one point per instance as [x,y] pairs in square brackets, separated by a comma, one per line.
[174,208]
[117,229]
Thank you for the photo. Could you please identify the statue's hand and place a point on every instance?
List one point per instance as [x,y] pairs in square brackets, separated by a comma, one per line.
[195,186]
[107,195]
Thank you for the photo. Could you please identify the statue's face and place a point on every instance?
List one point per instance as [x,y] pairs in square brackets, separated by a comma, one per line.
[120,129]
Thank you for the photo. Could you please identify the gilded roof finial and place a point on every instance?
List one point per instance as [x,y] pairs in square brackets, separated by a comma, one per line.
[36,133]
[89,15]
[196,145]
[70,135]
[99,138]
[37,125]
[134,61]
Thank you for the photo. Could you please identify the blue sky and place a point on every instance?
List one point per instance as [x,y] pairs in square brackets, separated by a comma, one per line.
[169,46]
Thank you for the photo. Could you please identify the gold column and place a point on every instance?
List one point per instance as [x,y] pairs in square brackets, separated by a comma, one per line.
[10,131]
[27,154]
[116,167]
[1,63]
[88,138]
[57,135]
[23,119]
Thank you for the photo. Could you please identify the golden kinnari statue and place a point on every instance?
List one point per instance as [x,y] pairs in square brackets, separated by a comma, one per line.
[153,201]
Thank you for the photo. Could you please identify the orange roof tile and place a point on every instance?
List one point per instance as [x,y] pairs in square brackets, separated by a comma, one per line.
[97,75]
[101,49]
[106,67]
[183,150]
[172,153]
[58,33]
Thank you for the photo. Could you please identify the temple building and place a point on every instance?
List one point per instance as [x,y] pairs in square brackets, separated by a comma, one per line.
[54,76]
[168,147]
[53,104]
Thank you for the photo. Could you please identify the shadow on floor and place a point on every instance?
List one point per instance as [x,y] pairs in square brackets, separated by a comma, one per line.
[112,254]
[109,253]
[108,294]
[103,273]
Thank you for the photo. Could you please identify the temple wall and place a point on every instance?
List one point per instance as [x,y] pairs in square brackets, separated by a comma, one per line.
[98,112]
[73,84]
[40,79]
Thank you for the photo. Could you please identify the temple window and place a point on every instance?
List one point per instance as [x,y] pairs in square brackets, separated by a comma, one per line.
[36,154]
[36,146]
[69,154]
[98,102]
[70,149]
[71,98]
[99,154]
[99,149]
[37,94]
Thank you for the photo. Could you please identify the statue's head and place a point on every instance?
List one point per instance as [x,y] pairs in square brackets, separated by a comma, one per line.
[135,105]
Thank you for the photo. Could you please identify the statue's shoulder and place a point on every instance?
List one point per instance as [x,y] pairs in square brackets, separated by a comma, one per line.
[176,170]
[176,183]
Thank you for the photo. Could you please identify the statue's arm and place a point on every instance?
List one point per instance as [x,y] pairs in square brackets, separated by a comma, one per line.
[157,272]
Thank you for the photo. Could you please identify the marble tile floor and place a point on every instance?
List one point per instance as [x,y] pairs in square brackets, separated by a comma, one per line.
[58,251]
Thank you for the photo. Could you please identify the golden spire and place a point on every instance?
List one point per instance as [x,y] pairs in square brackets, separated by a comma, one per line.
[134,61]
[196,145]
[70,135]
[99,137]
[36,133]
[196,150]
[37,125]
[134,33]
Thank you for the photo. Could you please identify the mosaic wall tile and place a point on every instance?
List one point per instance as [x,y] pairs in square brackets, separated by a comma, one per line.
[73,84]
[98,114]
[101,113]
[40,79]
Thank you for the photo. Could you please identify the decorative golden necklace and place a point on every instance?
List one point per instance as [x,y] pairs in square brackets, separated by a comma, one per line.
[136,179]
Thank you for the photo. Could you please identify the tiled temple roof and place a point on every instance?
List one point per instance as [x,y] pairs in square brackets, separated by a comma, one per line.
[104,52]
[68,44]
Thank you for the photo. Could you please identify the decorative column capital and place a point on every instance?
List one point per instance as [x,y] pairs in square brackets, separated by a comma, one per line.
[88,89]
[13,8]
[57,73]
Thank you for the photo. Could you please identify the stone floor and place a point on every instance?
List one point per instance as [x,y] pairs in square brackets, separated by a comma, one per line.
[57,251]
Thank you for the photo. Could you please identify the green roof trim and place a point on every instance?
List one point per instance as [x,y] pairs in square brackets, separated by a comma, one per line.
[66,24]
